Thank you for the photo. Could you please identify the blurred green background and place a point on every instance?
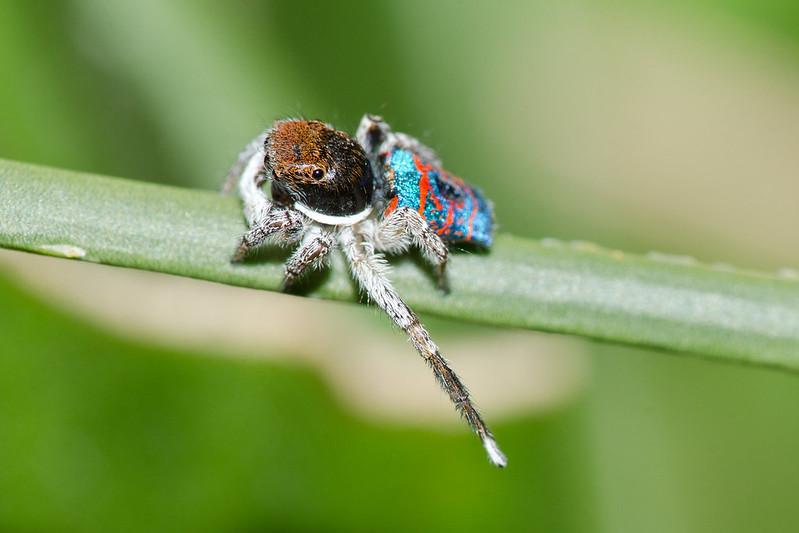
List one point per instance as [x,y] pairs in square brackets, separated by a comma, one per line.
[132,401]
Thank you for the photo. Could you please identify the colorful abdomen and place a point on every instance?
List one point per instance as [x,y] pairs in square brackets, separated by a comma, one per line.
[456,211]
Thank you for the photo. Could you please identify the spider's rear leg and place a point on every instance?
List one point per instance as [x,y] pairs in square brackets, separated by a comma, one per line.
[369,270]
[313,251]
[396,231]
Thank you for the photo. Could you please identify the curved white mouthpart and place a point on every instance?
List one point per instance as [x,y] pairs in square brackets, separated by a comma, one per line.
[494,453]
[331,220]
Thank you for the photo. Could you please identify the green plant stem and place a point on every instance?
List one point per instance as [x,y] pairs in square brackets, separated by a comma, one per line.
[578,289]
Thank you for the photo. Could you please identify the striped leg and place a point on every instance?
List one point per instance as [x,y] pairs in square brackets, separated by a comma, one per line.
[313,251]
[369,270]
[266,221]
[396,231]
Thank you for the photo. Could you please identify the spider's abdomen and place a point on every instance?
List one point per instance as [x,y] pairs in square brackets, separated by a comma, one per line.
[457,211]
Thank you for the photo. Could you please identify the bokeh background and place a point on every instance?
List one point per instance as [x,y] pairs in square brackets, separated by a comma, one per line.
[133,401]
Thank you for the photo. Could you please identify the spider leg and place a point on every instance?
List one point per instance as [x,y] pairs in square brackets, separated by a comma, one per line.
[266,221]
[375,135]
[391,235]
[370,269]
[315,247]
[255,148]
[277,224]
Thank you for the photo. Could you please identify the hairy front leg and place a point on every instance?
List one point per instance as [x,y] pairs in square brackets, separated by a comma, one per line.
[313,251]
[277,224]
[265,220]
[248,164]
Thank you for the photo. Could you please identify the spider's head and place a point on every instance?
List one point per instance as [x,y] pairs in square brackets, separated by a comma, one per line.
[318,170]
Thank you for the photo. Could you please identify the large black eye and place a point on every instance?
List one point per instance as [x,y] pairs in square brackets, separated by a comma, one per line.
[318,174]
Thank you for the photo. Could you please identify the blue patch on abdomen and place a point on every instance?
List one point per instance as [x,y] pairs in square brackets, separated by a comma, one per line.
[455,210]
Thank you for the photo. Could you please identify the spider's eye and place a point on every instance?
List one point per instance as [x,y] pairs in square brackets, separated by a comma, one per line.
[318,174]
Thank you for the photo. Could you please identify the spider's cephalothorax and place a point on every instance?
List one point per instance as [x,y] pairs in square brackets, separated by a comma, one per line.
[380,193]
[323,172]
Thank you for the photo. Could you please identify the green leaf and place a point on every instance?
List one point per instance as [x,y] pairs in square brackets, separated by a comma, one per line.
[576,288]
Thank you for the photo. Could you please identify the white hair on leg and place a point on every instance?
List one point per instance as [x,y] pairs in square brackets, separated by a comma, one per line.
[370,269]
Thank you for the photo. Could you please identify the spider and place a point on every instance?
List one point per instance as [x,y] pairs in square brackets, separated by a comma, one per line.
[378,194]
